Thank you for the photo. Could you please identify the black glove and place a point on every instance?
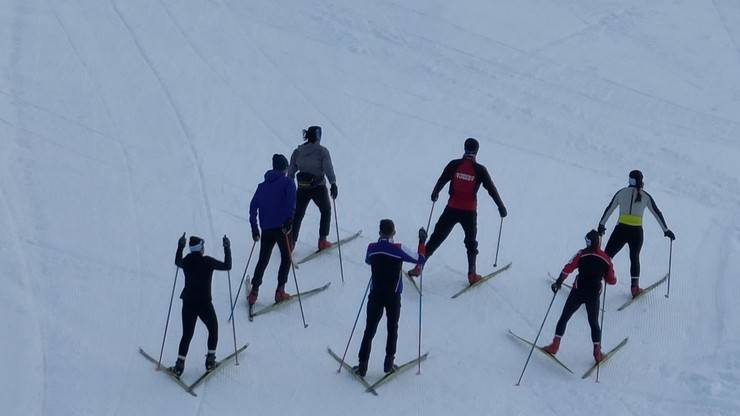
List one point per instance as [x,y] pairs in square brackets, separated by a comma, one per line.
[333,191]
[601,229]
[502,212]
[181,242]
[226,242]
[435,195]
[287,226]
[555,286]
[422,235]
[669,234]
[256,235]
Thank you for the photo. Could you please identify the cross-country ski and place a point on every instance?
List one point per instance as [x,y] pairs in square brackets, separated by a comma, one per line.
[643,292]
[481,281]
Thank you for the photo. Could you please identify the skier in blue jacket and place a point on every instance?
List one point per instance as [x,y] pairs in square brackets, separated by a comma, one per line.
[274,200]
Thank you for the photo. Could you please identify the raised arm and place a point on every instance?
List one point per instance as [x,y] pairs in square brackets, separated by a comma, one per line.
[178,253]
[222,265]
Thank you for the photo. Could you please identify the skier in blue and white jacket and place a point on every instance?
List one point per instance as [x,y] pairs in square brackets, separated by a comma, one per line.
[385,259]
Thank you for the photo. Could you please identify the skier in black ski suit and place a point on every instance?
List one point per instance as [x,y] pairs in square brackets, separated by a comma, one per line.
[309,164]
[385,259]
[465,176]
[632,201]
[593,266]
[196,296]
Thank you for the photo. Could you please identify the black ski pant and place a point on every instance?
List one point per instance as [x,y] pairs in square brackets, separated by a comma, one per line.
[320,196]
[191,311]
[576,298]
[267,243]
[449,218]
[375,307]
[632,236]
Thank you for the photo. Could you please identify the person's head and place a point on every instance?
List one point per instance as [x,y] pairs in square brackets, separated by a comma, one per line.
[387,228]
[197,245]
[279,162]
[593,240]
[471,146]
[636,179]
[312,134]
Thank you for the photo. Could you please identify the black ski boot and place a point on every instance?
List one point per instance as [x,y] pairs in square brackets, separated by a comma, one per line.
[178,368]
[210,361]
[388,365]
[360,369]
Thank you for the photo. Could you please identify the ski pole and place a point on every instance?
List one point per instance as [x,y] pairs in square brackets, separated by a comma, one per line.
[233,325]
[498,244]
[670,261]
[355,325]
[295,279]
[244,275]
[603,312]
[531,350]
[429,222]
[339,244]
[169,310]
[421,298]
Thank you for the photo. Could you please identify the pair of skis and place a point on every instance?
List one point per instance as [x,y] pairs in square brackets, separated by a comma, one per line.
[607,355]
[269,308]
[466,288]
[190,388]
[372,388]
[631,300]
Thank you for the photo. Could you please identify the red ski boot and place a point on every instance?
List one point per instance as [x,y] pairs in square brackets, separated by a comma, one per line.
[252,298]
[280,295]
[598,356]
[474,278]
[554,346]
[415,272]
[636,291]
[324,244]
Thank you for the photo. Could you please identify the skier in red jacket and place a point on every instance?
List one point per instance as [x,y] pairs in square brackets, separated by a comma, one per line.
[465,176]
[593,265]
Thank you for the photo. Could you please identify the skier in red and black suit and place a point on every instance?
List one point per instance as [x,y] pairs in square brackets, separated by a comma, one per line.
[465,176]
[593,265]
[385,259]
[196,296]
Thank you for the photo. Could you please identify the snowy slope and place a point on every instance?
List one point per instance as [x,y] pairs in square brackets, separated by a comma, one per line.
[125,123]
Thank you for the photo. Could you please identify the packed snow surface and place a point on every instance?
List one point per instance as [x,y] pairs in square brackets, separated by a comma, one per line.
[124,123]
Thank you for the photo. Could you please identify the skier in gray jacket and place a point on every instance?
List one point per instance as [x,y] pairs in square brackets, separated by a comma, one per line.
[311,165]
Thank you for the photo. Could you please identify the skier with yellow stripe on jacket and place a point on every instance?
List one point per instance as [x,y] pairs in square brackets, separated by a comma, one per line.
[632,201]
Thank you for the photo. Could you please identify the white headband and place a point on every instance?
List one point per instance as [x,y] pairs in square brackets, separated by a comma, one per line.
[197,247]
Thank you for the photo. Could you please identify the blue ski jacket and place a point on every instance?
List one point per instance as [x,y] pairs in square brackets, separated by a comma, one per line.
[274,200]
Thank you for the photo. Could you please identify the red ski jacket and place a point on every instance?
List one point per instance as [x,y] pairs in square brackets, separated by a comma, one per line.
[465,177]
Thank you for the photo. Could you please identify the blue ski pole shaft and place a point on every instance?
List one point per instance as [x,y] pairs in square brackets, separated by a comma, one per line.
[244,275]
[357,318]
[339,243]
[603,312]
[233,324]
[166,325]
[531,350]
[295,279]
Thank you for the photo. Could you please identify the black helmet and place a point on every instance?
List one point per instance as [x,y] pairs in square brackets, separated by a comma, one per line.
[636,179]
[471,146]
[593,239]
[312,134]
